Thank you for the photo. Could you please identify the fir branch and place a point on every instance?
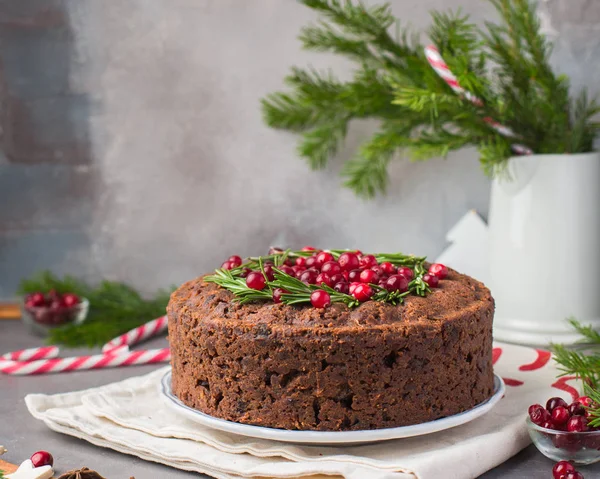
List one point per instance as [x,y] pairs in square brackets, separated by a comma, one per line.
[505,64]
[367,174]
[115,308]
[322,142]
[493,154]
[594,410]
[584,366]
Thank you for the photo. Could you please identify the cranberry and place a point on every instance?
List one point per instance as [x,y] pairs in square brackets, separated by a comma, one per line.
[300,261]
[309,248]
[585,401]
[309,276]
[269,273]
[367,261]
[555,402]
[562,467]
[272,250]
[348,261]
[387,267]
[548,425]
[36,300]
[533,407]
[431,280]
[573,475]
[363,292]
[439,270]
[320,299]
[289,262]
[354,275]
[323,257]
[52,296]
[369,276]
[287,270]
[568,442]
[324,278]
[331,268]
[70,300]
[311,262]
[396,282]
[560,415]
[227,265]
[235,260]
[256,280]
[298,270]
[277,292]
[577,424]
[342,287]
[379,270]
[406,272]
[244,273]
[352,287]
[42,458]
[57,304]
[576,409]
[337,278]
[539,416]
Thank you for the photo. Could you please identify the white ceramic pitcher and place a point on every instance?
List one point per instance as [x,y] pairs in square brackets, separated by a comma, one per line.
[545,247]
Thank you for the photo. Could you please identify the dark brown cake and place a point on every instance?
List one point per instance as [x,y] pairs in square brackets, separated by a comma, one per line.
[299,367]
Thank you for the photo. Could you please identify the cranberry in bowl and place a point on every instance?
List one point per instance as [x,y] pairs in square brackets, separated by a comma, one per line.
[563,432]
[42,312]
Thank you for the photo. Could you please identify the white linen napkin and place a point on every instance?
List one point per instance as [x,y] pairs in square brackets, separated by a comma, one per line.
[131,417]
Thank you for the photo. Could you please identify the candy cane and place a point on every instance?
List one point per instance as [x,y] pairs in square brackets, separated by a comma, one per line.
[81,363]
[136,335]
[441,68]
[115,353]
[31,354]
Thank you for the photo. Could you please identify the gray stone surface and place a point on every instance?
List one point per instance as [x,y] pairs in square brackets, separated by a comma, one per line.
[23,435]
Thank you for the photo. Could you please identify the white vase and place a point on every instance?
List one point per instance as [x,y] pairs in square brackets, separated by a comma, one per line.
[545,247]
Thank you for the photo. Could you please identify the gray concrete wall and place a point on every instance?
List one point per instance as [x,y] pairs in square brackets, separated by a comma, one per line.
[133,146]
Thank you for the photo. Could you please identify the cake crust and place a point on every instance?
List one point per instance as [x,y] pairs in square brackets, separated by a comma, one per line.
[298,367]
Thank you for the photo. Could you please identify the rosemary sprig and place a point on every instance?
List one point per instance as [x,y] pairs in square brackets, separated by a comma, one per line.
[297,292]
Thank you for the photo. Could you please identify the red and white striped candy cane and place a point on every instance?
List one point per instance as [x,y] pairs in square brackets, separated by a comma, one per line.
[441,68]
[115,353]
[31,354]
[81,363]
[136,335]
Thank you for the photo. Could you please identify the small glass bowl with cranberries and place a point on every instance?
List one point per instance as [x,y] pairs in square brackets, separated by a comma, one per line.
[562,431]
[44,311]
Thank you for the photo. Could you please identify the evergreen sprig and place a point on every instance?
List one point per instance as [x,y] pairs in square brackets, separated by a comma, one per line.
[115,308]
[505,64]
[583,364]
[297,292]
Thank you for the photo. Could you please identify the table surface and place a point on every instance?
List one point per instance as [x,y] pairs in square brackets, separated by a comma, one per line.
[22,435]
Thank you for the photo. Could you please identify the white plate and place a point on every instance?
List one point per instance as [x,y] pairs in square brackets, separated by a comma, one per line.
[328,437]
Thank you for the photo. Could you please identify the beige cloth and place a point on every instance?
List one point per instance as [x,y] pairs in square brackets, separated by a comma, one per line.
[131,417]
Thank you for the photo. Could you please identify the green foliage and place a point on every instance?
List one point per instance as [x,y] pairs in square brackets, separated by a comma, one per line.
[505,64]
[583,363]
[115,308]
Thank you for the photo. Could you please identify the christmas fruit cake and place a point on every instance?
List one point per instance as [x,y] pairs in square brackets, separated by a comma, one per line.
[331,341]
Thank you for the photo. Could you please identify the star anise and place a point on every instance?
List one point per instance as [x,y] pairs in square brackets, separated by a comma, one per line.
[83,473]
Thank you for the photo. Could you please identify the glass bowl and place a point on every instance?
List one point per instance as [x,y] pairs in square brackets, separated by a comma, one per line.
[41,319]
[581,448]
